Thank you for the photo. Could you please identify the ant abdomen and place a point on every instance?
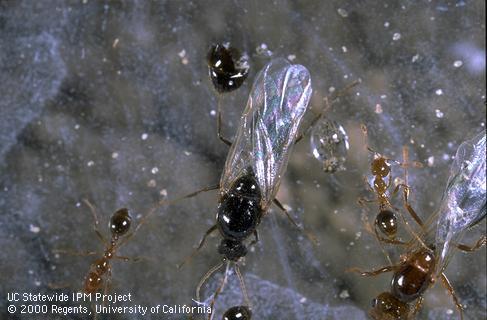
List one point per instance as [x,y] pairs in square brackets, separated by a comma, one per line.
[386,221]
[414,277]
[120,222]
[238,313]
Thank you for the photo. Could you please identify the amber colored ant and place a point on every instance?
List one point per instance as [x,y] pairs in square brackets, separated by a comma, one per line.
[386,220]
[417,271]
[100,270]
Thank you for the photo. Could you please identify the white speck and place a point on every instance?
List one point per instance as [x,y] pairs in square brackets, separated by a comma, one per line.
[154,170]
[152,183]
[378,109]
[331,89]
[342,12]
[396,36]
[343,230]
[449,311]
[344,294]
[344,49]
[90,163]
[439,114]
[163,192]
[446,157]
[34,229]
[115,155]
[263,50]
[31,271]
[387,24]
[115,43]
[439,92]
[76,126]
[358,235]
[187,153]
[212,113]
[37,283]
[415,58]
[77,205]
[383,96]
[144,136]
[291,57]
[182,53]
[302,300]
[458,63]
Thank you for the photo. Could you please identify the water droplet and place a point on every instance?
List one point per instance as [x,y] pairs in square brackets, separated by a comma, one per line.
[342,12]
[396,36]
[458,63]
[329,144]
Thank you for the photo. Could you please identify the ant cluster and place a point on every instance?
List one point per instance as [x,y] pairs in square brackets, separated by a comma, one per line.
[258,158]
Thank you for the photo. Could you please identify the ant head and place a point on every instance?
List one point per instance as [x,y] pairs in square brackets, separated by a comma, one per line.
[388,307]
[380,167]
[386,221]
[232,250]
[238,313]
[120,222]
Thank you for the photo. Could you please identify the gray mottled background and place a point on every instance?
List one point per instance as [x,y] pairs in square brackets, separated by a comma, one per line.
[110,101]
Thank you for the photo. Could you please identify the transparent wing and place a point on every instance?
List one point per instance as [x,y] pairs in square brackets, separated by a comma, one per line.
[464,200]
[268,127]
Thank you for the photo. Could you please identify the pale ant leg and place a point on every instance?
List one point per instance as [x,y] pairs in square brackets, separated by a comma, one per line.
[481,242]
[205,277]
[446,283]
[219,125]
[95,219]
[127,259]
[362,201]
[200,245]
[372,273]
[217,292]
[193,194]
[242,285]
[75,253]
[329,100]
[256,239]
[308,234]
[417,306]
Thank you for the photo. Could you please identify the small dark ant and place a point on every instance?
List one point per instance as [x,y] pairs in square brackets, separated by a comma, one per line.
[386,220]
[238,313]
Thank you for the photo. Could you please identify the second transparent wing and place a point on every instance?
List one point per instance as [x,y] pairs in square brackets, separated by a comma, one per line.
[464,200]
[268,127]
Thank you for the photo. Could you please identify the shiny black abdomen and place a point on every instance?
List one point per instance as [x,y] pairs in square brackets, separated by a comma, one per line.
[239,211]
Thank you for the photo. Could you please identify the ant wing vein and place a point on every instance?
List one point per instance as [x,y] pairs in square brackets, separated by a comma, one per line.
[268,127]
[464,200]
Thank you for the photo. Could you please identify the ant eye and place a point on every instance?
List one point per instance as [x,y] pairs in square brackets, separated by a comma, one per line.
[374,303]
[120,222]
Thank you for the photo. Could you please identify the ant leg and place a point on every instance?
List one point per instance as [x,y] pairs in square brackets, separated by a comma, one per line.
[481,242]
[256,239]
[242,285]
[362,201]
[372,273]
[219,126]
[75,253]
[446,283]
[205,277]
[200,245]
[95,219]
[193,194]
[308,234]
[418,306]
[217,292]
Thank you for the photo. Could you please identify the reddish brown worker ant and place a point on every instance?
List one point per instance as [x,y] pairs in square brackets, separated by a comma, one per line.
[386,222]
[99,275]
[427,255]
